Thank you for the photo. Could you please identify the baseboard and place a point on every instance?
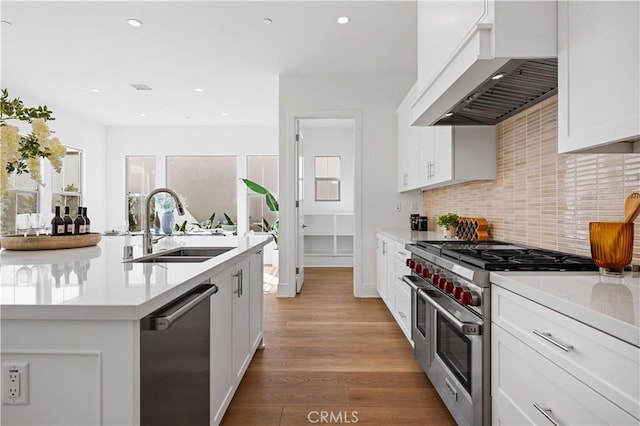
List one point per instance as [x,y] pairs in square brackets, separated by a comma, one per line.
[366,290]
[286,290]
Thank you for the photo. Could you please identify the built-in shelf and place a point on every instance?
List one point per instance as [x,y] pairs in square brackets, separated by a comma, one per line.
[328,239]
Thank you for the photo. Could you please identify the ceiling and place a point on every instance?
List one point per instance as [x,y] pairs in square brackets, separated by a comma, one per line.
[57,52]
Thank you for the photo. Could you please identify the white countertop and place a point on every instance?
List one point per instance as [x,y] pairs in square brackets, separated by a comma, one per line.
[94,283]
[408,236]
[611,305]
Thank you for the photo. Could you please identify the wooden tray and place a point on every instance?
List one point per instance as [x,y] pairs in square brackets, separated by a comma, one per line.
[47,242]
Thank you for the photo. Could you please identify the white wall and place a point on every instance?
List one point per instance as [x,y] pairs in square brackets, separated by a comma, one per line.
[89,136]
[165,141]
[328,141]
[373,100]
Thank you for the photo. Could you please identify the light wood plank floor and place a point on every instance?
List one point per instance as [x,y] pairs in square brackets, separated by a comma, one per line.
[327,351]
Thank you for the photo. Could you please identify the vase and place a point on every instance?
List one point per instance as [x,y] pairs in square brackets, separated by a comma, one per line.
[168,222]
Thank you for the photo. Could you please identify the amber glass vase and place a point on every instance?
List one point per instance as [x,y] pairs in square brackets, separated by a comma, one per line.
[611,246]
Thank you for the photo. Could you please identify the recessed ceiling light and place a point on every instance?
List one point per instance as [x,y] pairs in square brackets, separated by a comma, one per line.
[224,114]
[134,22]
[343,20]
[95,90]
[143,114]
[449,114]
[199,90]
[267,20]
[497,76]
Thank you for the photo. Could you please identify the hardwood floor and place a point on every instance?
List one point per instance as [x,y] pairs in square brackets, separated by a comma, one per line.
[333,358]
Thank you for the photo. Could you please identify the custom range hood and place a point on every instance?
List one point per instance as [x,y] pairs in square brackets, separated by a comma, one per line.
[514,86]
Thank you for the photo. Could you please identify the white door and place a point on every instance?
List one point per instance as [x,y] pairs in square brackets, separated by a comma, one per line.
[299,209]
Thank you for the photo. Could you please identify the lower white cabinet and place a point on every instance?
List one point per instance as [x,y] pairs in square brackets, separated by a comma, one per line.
[391,267]
[236,329]
[545,365]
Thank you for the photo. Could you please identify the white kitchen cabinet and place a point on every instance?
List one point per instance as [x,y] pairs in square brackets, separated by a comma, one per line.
[402,292]
[328,239]
[236,329]
[455,154]
[462,43]
[391,266]
[384,265]
[222,376]
[598,75]
[256,300]
[408,146]
[581,374]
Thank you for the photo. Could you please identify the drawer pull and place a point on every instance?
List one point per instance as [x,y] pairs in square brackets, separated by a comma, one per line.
[547,413]
[547,337]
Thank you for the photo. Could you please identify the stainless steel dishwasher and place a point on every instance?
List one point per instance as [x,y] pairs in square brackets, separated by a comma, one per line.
[174,361]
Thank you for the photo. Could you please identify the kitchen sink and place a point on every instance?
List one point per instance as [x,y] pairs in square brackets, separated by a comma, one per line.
[183,255]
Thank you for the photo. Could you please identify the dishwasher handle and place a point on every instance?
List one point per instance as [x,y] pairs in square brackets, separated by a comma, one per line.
[161,321]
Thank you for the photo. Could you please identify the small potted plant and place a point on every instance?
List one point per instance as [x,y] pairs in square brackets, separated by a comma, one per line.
[449,222]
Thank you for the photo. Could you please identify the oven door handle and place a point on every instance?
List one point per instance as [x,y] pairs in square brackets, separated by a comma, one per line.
[467,328]
[408,279]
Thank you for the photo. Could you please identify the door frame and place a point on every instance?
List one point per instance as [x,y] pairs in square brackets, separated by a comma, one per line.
[288,228]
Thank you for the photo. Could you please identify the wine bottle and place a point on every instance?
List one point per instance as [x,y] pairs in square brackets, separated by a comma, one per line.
[87,222]
[68,222]
[79,223]
[57,223]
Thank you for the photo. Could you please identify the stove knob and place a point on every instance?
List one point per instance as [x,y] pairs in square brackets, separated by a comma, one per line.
[448,287]
[457,291]
[412,264]
[441,282]
[435,278]
[418,268]
[407,262]
[425,272]
[469,298]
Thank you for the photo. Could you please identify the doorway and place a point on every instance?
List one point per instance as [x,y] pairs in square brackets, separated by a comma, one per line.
[325,194]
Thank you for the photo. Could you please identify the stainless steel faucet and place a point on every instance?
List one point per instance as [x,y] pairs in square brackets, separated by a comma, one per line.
[147,244]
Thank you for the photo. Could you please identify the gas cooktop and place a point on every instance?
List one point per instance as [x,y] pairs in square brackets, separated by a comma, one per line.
[501,256]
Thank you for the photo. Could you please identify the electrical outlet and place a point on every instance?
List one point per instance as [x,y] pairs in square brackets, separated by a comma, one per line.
[15,383]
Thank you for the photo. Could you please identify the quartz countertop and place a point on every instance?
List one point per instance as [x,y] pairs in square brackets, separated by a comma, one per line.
[94,283]
[611,305]
[408,236]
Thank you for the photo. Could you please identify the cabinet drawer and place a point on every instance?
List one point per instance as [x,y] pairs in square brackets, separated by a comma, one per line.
[403,307]
[606,364]
[521,377]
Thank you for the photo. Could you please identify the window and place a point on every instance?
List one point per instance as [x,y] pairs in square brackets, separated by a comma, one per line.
[327,176]
[66,186]
[206,185]
[22,198]
[140,172]
[262,169]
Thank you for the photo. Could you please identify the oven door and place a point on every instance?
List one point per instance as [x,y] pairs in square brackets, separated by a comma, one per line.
[419,324]
[456,362]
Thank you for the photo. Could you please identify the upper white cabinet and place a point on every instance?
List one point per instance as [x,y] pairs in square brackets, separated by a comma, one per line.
[462,43]
[598,75]
[454,154]
[407,144]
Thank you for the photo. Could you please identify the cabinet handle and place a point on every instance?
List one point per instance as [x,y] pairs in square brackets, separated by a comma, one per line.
[384,247]
[547,337]
[547,413]
[433,169]
[402,315]
[241,282]
[237,290]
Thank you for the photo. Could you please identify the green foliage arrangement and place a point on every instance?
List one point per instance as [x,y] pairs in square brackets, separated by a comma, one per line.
[448,220]
[272,204]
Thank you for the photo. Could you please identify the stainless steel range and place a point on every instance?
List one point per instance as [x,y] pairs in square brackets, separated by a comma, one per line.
[451,319]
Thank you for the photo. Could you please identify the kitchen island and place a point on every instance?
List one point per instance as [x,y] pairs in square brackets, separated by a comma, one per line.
[74,316]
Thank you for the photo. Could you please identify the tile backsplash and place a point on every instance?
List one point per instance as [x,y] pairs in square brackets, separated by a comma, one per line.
[542,198]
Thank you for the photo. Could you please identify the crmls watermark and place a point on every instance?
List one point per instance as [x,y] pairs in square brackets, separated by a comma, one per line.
[328,417]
